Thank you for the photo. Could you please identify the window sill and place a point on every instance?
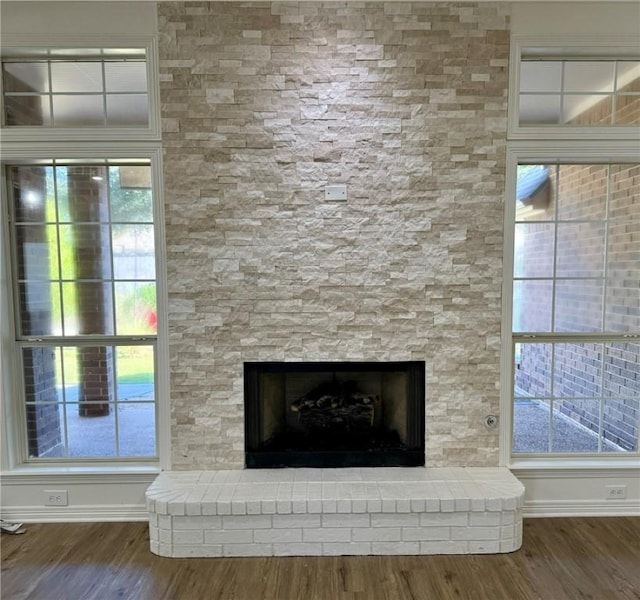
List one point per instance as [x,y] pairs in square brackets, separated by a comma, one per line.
[566,466]
[133,473]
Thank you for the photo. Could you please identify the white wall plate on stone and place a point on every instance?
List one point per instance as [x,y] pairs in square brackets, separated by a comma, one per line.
[335,192]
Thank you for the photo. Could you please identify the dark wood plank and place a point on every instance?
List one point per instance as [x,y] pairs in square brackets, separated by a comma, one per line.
[586,558]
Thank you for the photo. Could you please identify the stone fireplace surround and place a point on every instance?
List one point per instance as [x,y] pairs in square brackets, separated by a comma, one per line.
[263,105]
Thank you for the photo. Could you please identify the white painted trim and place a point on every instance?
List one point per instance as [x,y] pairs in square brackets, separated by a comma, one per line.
[586,508]
[114,494]
[138,512]
[630,471]
[152,132]
[76,514]
[113,476]
[163,420]
[506,357]
[620,46]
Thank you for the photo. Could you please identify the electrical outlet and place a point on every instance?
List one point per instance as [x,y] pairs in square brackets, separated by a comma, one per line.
[615,492]
[56,498]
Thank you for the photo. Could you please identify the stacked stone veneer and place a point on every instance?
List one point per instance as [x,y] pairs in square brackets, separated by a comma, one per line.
[263,105]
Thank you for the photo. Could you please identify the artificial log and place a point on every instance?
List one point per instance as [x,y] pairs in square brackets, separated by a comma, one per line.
[338,406]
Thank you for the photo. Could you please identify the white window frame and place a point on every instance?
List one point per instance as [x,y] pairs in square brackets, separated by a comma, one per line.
[543,145]
[570,46]
[23,145]
[14,46]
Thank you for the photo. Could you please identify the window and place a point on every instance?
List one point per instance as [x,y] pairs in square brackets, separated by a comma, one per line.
[572,259]
[87,89]
[579,92]
[576,285]
[83,246]
[81,203]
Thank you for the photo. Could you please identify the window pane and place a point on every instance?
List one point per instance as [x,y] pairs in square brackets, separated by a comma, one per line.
[87,416]
[93,437]
[78,93]
[577,370]
[532,302]
[42,374]
[27,111]
[622,370]
[628,77]
[37,252]
[131,196]
[127,110]
[136,308]
[580,250]
[91,251]
[575,426]
[582,192]
[32,194]
[533,371]
[625,194]
[578,305]
[592,109]
[92,313]
[26,77]
[135,367]
[133,252]
[583,88]
[534,244]
[76,77]
[89,378]
[540,76]
[136,394]
[39,308]
[82,193]
[536,109]
[42,379]
[137,429]
[623,301]
[620,424]
[531,420]
[627,110]
[588,76]
[78,111]
[125,76]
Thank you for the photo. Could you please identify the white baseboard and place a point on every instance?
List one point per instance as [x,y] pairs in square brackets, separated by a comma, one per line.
[75,514]
[587,508]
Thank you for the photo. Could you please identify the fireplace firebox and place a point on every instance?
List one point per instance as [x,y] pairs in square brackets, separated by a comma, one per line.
[334,414]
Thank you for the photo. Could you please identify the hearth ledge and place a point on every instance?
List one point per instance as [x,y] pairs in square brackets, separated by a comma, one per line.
[328,512]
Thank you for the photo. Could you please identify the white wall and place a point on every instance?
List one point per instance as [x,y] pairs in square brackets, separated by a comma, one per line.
[576,18]
[78,18]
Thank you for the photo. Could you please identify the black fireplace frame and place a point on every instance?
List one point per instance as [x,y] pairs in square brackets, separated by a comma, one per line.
[412,455]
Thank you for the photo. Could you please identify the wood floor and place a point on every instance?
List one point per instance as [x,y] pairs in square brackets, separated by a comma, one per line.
[560,559]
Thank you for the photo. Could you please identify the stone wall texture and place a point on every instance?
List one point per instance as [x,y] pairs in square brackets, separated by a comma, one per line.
[263,105]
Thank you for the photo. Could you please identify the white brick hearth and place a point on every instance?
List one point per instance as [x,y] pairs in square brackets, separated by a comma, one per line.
[323,512]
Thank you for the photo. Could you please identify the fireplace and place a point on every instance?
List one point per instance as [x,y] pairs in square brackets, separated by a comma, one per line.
[334,414]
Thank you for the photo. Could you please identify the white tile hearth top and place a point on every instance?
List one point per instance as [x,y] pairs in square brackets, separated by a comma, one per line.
[335,511]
